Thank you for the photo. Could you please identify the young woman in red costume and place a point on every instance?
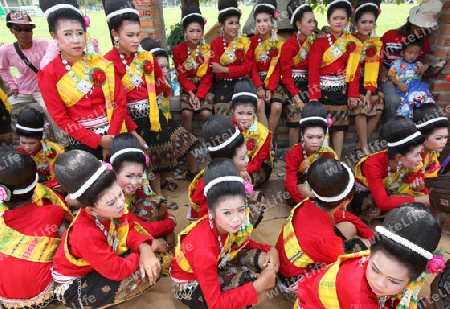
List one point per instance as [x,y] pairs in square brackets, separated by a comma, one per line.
[318,231]
[216,264]
[333,71]
[191,59]
[294,68]
[390,276]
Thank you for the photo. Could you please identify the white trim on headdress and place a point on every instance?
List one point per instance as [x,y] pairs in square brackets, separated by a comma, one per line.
[153,50]
[404,242]
[405,140]
[120,12]
[364,5]
[228,9]
[298,9]
[226,143]
[313,118]
[336,1]
[60,6]
[192,14]
[219,180]
[27,189]
[264,4]
[430,121]
[240,94]
[88,183]
[350,184]
[18,126]
[122,151]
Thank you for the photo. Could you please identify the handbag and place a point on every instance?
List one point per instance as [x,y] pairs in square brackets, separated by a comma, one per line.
[440,188]
[24,58]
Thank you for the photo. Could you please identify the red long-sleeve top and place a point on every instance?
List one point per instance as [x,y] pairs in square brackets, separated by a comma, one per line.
[259,66]
[290,50]
[338,67]
[201,248]
[199,198]
[316,237]
[90,106]
[294,159]
[180,54]
[263,154]
[21,279]
[237,69]
[392,46]
[375,169]
[96,251]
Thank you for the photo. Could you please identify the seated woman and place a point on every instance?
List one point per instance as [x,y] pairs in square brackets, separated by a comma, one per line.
[391,177]
[107,255]
[224,141]
[314,145]
[313,234]
[390,275]
[130,164]
[25,277]
[257,137]
[216,263]
[30,128]
[434,125]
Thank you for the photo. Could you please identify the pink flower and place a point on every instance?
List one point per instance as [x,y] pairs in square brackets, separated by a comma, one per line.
[248,187]
[436,264]
[205,20]
[147,159]
[276,14]
[329,122]
[87,21]
[107,165]
[353,9]
[379,10]
[4,195]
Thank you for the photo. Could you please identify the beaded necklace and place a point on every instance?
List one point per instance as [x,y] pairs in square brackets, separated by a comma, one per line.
[337,50]
[83,84]
[224,257]
[391,186]
[305,156]
[113,241]
[232,53]
[264,53]
[193,62]
[135,78]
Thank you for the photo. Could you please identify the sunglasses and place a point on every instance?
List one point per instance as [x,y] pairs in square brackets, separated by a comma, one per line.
[20,29]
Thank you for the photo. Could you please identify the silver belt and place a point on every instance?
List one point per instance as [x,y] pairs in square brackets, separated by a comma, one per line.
[139,109]
[332,85]
[300,77]
[100,130]
[184,290]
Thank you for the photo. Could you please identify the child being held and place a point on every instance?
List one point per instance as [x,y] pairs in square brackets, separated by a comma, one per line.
[405,74]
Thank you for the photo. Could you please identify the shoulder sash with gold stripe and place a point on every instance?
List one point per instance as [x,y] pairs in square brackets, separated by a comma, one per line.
[42,192]
[431,164]
[259,137]
[372,63]
[266,45]
[192,188]
[312,158]
[304,50]
[241,44]
[205,53]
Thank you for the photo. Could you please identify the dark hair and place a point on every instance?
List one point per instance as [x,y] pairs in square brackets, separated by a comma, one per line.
[314,109]
[8,18]
[397,129]
[18,172]
[224,4]
[216,130]
[405,29]
[265,9]
[366,9]
[292,6]
[427,112]
[328,178]
[416,223]
[116,22]
[339,4]
[149,44]
[30,118]
[122,141]
[222,167]
[61,14]
[74,168]
[190,8]
[244,85]
[416,42]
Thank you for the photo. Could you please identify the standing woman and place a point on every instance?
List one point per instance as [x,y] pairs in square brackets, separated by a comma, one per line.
[191,59]
[143,80]
[231,56]
[79,88]
[370,107]
[294,68]
[333,71]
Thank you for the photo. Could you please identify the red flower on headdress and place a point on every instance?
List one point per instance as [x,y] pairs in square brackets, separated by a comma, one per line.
[273,51]
[251,144]
[97,76]
[371,51]
[148,67]
[240,53]
[351,46]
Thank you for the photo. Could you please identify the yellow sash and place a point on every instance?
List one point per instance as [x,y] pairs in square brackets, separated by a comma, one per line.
[205,51]
[292,247]
[312,158]
[241,44]
[431,164]
[192,188]
[42,192]
[258,138]
[306,46]
[24,247]
[264,47]
[327,286]
[70,95]
[397,177]
[372,64]
[4,99]
[353,60]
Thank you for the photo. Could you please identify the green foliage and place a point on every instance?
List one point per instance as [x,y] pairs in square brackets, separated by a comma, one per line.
[175,37]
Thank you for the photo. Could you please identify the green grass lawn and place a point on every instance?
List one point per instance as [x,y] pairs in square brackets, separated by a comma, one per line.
[392,17]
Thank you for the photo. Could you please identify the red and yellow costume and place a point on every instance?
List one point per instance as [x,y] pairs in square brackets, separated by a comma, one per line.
[431,165]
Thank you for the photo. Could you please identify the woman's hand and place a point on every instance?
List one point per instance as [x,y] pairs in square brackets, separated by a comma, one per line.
[217,68]
[148,263]
[105,143]
[141,140]
[417,185]
[298,103]
[268,96]
[424,199]
[353,102]
[368,100]
[196,105]
[271,259]
[383,74]
[261,92]
[159,245]
[246,176]
[265,281]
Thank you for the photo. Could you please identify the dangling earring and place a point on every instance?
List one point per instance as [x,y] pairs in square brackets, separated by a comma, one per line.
[373,34]
[347,28]
[239,34]
[116,42]
[185,36]
[202,41]
[221,31]
[210,219]
[254,126]
[399,165]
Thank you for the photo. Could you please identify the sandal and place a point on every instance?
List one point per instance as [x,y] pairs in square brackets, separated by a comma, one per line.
[169,185]
[190,176]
